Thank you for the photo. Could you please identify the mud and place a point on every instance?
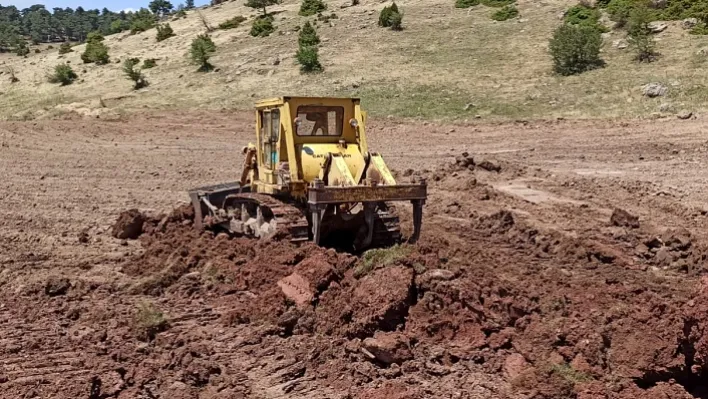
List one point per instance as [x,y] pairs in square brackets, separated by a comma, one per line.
[505,295]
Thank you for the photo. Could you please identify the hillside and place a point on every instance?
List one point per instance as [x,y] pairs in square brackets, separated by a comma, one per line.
[447,63]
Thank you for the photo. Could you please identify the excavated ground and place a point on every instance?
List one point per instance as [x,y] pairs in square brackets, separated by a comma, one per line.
[534,278]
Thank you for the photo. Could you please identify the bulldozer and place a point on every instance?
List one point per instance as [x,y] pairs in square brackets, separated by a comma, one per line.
[310,176]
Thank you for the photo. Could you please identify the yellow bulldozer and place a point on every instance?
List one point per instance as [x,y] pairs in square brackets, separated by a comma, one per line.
[310,176]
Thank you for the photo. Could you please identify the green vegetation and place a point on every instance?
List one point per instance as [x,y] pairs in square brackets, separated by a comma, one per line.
[262,26]
[149,321]
[466,3]
[201,50]
[391,17]
[308,58]
[583,15]
[232,22]
[179,15]
[136,75]
[160,7]
[569,374]
[376,258]
[164,31]
[65,48]
[311,7]
[149,63]
[308,36]
[326,18]
[63,74]
[504,13]
[22,49]
[142,21]
[96,52]
[576,49]
[639,35]
[497,3]
[261,4]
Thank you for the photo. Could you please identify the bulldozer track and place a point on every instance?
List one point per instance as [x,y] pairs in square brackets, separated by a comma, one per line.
[292,223]
[387,229]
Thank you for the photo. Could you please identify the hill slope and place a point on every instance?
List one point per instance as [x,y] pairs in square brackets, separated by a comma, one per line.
[447,63]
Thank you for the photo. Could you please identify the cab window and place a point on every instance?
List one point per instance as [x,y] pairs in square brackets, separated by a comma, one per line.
[319,121]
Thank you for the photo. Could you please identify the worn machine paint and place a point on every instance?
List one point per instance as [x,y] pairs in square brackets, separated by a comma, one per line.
[310,175]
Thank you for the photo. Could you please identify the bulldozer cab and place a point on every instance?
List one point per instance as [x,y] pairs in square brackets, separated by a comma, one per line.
[296,133]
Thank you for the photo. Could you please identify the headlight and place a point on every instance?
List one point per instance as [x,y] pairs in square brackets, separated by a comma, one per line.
[354,123]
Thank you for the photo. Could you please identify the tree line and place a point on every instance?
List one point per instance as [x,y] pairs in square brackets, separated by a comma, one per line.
[40,25]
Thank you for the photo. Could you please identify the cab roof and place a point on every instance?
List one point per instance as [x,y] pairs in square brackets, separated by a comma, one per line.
[269,102]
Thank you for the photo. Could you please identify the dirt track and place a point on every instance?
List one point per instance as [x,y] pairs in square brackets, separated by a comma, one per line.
[521,286]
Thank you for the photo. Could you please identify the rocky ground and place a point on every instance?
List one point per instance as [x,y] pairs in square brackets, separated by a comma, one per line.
[557,260]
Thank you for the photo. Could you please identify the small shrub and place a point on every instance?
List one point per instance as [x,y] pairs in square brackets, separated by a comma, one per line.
[700,29]
[326,18]
[63,74]
[585,16]
[232,23]
[385,15]
[308,58]
[96,52]
[395,21]
[497,3]
[50,47]
[466,3]
[504,13]
[179,15]
[311,7]
[376,258]
[37,51]
[391,17]
[568,373]
[261,4]
[13,76]
[149,63]
[149,321]
[575,49]
[639,35]
[201,50]
[65,48]
[136,75]
[619,11]
[22,49]
[164,31]
[262,26]
[308,36]
[142,21]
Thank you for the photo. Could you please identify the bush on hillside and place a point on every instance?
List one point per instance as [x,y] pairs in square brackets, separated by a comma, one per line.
[504,13]
[584,16]
[96,52]
[261,4]
[65,48]
[308,58]
[21,48]
[149,63]
[575,49]
[63,74]
[391,17]
[497,3]
[639,34]
[308,36]
[164,32]
[142,21]
[262,26]
[136,75]
[179,15]
[311,7]
[232,22]
[466,3]
[201,51]
[326,18]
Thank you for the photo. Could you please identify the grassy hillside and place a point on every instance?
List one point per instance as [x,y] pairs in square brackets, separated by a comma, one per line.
[447,63]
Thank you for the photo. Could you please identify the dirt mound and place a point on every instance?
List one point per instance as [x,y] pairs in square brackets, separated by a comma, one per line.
[129,225]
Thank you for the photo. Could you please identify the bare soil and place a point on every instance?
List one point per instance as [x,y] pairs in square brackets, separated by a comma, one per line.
[571,265]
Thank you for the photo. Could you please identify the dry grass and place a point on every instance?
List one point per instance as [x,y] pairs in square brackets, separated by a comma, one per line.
[443,60]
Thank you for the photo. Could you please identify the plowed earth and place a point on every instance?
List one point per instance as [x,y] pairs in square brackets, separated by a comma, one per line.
[569,264]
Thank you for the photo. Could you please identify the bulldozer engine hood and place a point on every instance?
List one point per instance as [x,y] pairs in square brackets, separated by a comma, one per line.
[314,156]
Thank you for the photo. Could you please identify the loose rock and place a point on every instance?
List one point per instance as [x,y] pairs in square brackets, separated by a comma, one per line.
[654,90]
[389,348]
[622,218]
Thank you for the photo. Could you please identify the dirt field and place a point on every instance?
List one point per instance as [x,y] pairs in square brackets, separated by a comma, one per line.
[528,282]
